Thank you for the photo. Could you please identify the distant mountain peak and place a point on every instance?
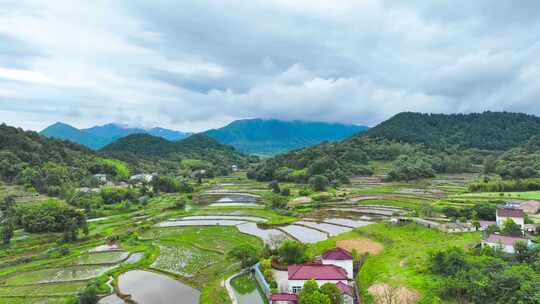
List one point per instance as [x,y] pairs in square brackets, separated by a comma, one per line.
[99,136]
[272,136]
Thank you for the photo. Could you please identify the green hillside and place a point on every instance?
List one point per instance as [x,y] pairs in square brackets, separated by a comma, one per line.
[196,147]
[488,130]
[416,145]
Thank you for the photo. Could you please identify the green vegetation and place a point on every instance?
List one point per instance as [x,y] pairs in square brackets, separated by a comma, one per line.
[210,155]
[404,257]
[244,284]
[488,130]
[487,275]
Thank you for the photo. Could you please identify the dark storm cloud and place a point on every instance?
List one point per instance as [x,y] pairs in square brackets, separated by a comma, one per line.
[199,64]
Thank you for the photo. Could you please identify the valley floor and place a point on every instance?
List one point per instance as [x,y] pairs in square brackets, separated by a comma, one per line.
[189,248]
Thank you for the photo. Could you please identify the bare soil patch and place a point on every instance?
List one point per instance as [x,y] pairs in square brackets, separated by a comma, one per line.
[386,294]
[361,245]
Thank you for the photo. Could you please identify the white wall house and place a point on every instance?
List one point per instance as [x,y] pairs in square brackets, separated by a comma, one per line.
[334,266]
[101,177]
[504,213]
[322,274]
[339,257]
[142,177]
[506,243]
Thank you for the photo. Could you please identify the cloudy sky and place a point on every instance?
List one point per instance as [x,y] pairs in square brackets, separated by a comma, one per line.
[192,65]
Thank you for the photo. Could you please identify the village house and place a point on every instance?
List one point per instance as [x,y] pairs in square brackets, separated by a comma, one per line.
[530,207]
[283,298]
[510,212]
[334,266]
[505,242]
[143,177]
[339,257]
[322,274]
[102,178]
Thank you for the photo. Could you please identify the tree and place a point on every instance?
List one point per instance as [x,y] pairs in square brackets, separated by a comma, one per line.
[311,294]
[278,202]
[511,228]
[491,229]
[285,191]
[274,185]
[89,295]
[180,204]
[332,292]
[523,254]
[292,252]
[246,254]
[6,232]
[319,182]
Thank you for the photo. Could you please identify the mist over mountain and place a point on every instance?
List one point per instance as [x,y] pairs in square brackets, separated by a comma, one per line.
[253,136]
[273,136]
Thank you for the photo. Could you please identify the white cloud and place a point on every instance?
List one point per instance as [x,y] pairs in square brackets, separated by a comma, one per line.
[195,65]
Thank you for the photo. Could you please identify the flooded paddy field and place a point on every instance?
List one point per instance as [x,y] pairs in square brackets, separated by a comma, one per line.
[304,234]
[145,287]
[330,229]
[184,260]
[51,275]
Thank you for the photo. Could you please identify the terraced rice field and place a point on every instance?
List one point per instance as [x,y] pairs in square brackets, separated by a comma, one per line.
[304,234]
[184,260]
[53,289]
[105,257]
[50,275]
[330,229]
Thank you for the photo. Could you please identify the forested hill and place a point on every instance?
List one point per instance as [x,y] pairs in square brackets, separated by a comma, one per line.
[272,136]
[418,145]
[195,147]
[488,130]
[27,148]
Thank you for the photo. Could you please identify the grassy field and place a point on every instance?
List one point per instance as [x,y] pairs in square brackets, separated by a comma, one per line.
[528,195]
[403,260]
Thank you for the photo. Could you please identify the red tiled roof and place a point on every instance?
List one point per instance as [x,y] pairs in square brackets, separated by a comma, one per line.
[509,212]
[345,289]
[317,272]
[337,254]
[284,297]
[505,240]
[485,224]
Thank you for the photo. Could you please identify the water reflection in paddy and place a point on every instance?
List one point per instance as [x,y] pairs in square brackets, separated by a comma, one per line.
[112,299]
[304,234]
[151,288]
[176,223]
[347,222]
[225,217]
[265,234]
[330,228]
[134,258]
[245,204]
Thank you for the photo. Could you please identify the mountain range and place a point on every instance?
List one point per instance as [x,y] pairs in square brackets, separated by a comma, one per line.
[252,136]
[272,136]
[98,137]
